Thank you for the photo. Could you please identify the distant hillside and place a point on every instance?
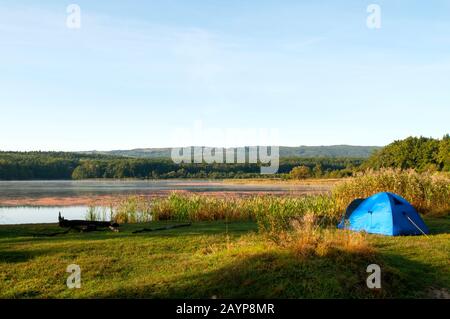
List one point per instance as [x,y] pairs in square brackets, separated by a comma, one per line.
[328,151]
[334,151]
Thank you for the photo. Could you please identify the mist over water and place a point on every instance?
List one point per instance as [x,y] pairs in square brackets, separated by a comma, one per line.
[18,189]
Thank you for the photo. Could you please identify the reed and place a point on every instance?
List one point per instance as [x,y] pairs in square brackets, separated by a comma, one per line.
[202,208]
[428,193]
[272,213]
[133,209]
[95,213]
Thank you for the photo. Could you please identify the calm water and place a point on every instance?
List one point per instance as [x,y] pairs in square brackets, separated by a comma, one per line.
[41,189]
[37,215]
[18,189]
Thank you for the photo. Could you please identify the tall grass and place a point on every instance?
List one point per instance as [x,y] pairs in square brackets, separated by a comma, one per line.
[134,209]
[95,213]
[201,208]
[428,193]
[309,237]
[274,214]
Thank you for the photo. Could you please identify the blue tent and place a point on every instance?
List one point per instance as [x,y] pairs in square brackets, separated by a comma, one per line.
[383,213]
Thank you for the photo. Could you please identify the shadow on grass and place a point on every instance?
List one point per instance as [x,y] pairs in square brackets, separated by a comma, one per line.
[36,233]
[438,225]
[18,256]
[282,274]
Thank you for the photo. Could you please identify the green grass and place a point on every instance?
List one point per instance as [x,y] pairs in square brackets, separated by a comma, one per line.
[206,260]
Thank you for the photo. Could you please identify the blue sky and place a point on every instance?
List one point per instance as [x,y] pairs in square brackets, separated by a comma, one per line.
[137,73]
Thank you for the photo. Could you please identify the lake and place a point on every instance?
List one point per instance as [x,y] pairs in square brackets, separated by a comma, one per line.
[40,201]
[40,214]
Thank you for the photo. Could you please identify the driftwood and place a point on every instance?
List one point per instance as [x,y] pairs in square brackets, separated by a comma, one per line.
[86,225]
[161,228]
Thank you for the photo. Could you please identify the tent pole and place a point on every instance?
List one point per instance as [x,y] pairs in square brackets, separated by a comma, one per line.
[416,225]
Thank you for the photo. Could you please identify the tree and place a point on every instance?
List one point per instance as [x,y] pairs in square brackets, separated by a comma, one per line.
[317,170]
[300,172]
[443,157]
[419,153]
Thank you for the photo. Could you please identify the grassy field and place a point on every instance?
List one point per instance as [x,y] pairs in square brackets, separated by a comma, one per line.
[216,259]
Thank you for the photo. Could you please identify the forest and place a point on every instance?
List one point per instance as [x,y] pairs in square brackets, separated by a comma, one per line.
[419,153]
[50,165]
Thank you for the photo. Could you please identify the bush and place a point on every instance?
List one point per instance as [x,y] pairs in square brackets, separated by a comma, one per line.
[300,172]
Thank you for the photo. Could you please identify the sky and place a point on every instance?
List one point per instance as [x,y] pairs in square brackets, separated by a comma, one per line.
[172,73]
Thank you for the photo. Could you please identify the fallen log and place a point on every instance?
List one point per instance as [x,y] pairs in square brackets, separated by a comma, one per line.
[86,225]
[160,228]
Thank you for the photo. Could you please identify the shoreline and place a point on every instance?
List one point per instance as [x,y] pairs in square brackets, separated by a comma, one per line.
[87,193]
[111,199]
